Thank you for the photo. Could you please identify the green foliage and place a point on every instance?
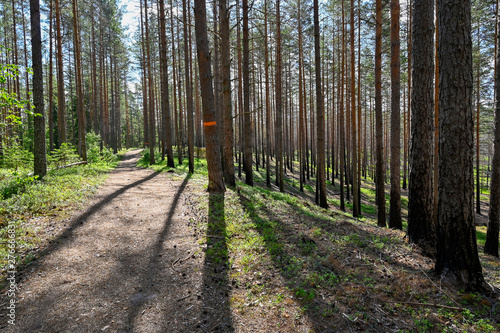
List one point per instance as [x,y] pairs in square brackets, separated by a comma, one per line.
[144,160]
[424,325]
[63,155]
[21,193]
[307,295]
[94,152]
[200,164]
[8,100]
[15,157]
[60,190]
[13,184]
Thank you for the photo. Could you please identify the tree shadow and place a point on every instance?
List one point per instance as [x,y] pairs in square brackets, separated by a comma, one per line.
[216,311]
[148,288]
[65,237]
[137,280]
[284,257]
[314,273]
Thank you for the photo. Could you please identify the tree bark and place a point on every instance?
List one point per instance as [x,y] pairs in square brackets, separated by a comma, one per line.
[151,107]
[341,116]
[214,165]
[320,113]
[51,81]
[478,108]
[268,102]
[82,149]
[226,93]
[165,102]
[395,201]
[456,246]
[379,177]
[302,145]
[421,227]
[355,194]
[189,91]
[247,158]
[40,157]
[436,125]
[61,113]
[144,84]
[279,103]
[491,245]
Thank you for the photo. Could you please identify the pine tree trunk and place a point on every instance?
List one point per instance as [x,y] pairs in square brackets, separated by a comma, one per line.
[279,105]
[408,112]
[174,87]
[247,158]
[144,84]
[226,93]
[320,113]
[165,98]
[94,81]
[240,88]
[51,81]
[491,245]
[17,89]
[82,150]
[214,166]
[61,113]
[478,107]
[268,105]
[436,124]
[302,145]
[341,117]
[395,200]
[27,82]
[456,246]
[421,227]
[40,158]
[358,189]
[379,175]
[355,194]
[127,118]
[189,92]
[217,80]
[151,107]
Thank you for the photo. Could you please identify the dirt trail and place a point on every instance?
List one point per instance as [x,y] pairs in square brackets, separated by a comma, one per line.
[125,264]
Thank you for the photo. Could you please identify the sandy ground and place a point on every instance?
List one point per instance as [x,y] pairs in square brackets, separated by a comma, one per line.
[125,264]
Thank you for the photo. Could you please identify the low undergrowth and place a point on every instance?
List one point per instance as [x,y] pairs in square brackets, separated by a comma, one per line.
[291,265]
[29,205]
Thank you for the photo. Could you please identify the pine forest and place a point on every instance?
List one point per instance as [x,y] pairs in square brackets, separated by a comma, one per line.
[249,166]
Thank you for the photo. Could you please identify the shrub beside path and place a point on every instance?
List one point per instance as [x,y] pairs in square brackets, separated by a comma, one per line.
[127,263]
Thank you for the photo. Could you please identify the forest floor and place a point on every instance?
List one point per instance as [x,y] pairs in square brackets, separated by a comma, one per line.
[154,252]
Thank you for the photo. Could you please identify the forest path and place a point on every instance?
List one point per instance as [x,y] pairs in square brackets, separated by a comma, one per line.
[127,263]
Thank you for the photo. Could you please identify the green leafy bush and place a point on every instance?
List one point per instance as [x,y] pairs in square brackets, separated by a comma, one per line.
[15,157]
[65,154]
[13,185]
[94,152]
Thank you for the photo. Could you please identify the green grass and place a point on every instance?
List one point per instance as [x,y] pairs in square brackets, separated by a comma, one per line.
[300,206]
[200,164]
[367,209]
[481,236]
[59,191]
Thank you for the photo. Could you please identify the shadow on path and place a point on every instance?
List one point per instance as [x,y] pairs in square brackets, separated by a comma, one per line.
[148,286]
[80,220]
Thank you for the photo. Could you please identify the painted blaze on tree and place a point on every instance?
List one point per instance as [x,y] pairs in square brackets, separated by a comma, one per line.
[214,164]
